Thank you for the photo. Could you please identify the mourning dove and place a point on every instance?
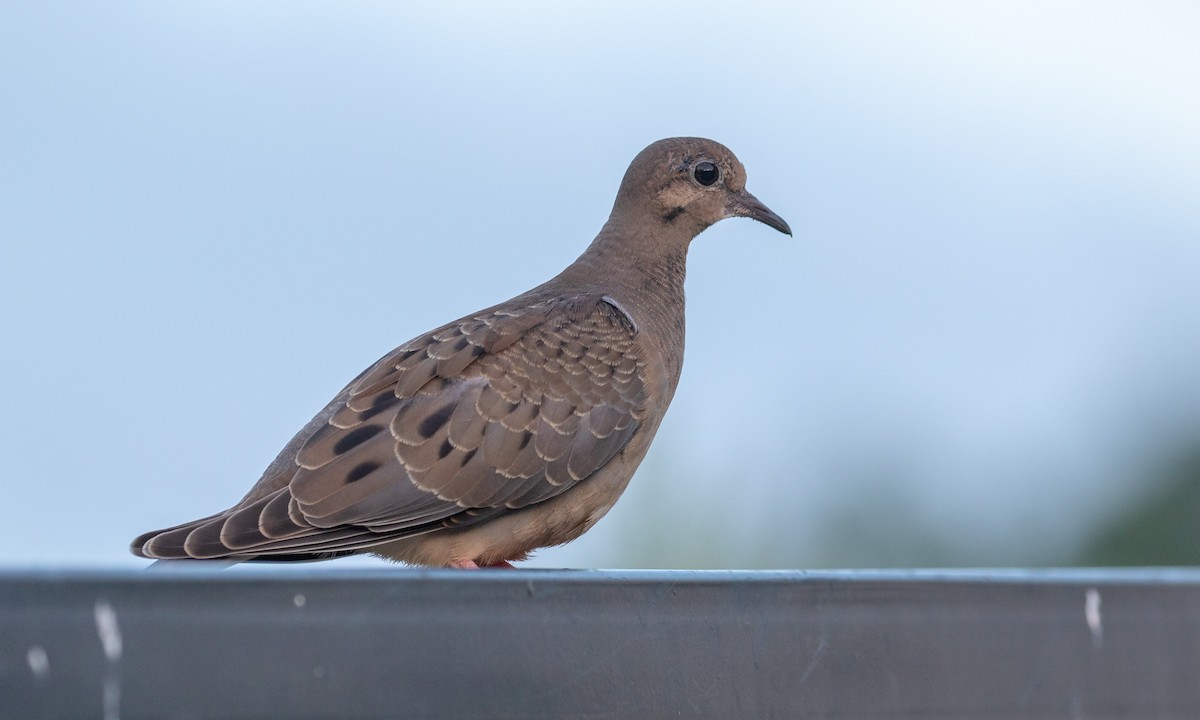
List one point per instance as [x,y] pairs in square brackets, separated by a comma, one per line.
[513,428]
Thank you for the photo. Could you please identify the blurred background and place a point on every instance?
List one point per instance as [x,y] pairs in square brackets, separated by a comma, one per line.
[982,347]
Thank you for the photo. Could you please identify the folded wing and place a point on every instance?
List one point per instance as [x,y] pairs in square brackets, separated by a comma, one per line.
[482,417]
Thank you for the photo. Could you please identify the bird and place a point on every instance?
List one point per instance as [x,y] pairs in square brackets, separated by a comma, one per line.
[510,429]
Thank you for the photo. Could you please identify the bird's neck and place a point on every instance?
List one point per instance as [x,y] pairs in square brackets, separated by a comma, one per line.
[645,273]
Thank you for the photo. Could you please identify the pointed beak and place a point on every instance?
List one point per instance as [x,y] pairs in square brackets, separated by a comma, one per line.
[743,204]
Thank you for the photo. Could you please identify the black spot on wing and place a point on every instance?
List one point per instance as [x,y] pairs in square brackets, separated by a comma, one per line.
[356,437]
[382,401]
[435,420]
[362,470]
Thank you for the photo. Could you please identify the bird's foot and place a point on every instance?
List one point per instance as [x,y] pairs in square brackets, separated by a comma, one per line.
[472,565]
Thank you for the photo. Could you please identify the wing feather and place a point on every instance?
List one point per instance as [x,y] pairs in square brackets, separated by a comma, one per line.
[484,416]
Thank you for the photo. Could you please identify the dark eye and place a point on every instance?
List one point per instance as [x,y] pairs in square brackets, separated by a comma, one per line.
[706,173]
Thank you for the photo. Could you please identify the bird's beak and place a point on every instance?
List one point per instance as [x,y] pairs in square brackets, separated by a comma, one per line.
[743,204]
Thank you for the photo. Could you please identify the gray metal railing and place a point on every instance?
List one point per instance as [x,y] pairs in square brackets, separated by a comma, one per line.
[318,642]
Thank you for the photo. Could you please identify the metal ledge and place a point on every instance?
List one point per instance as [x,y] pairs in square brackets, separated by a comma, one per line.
[316,642]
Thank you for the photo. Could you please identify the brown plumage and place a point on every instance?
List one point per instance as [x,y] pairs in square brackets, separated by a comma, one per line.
[514,428]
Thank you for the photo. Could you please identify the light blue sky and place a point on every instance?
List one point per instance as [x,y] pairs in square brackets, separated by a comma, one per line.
[214,214]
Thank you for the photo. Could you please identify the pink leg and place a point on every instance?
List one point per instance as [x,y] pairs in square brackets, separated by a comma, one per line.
[471,565]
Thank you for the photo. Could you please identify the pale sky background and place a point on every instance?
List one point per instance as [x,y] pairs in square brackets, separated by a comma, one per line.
[983,339]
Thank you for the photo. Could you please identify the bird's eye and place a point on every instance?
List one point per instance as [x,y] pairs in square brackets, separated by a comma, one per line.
[706,173]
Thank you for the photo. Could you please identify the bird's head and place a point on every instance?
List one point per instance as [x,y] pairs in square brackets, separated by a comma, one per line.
[684,185]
